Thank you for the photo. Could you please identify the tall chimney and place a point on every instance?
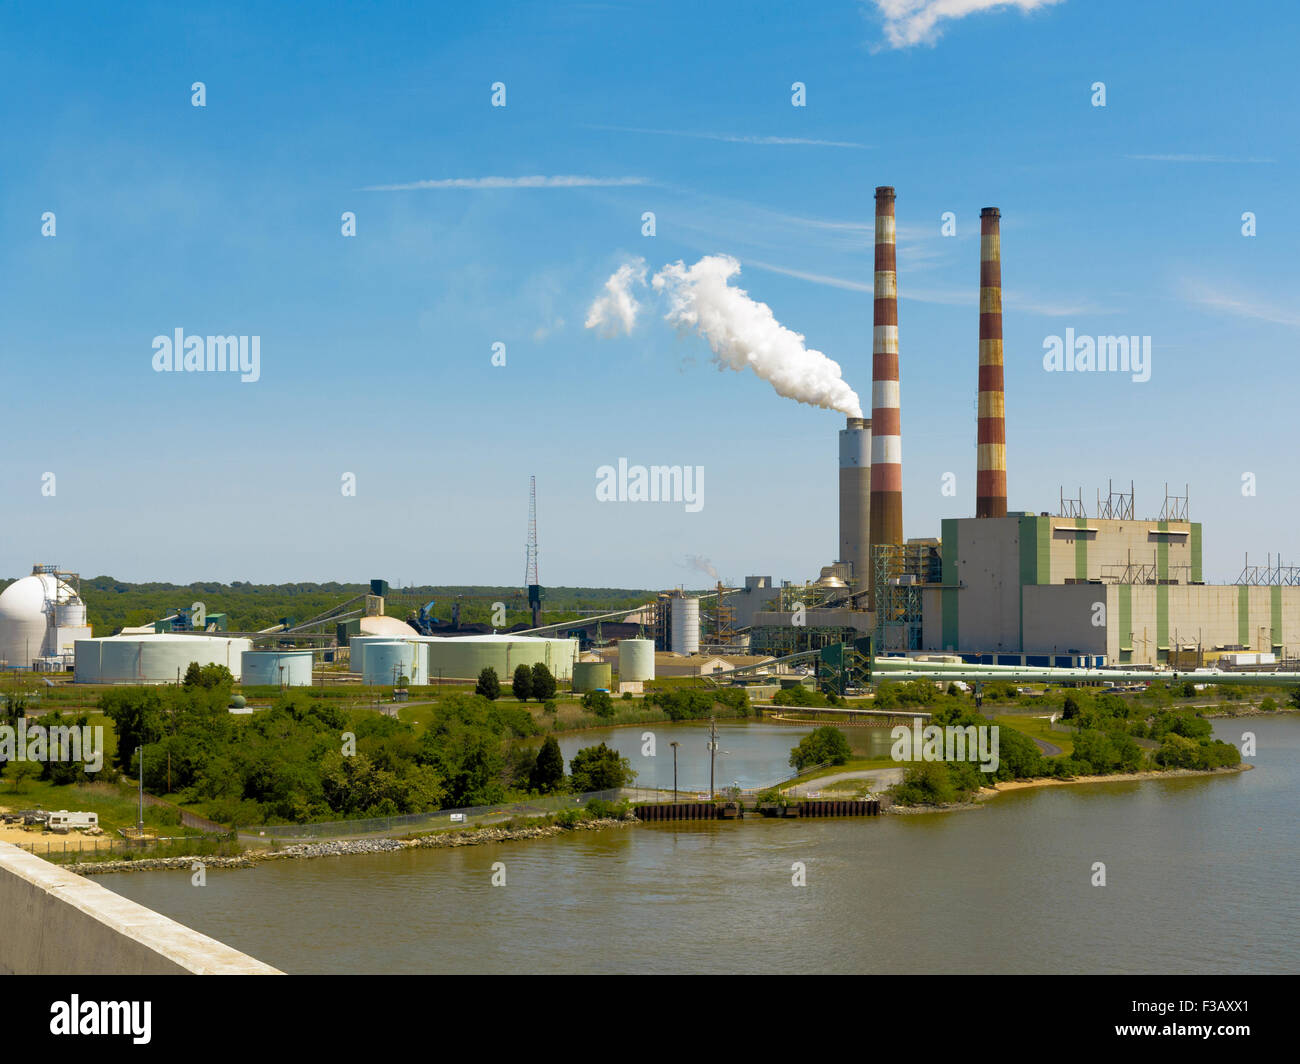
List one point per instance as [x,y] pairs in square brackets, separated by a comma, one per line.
[886,440]
[855,498]
[991,463]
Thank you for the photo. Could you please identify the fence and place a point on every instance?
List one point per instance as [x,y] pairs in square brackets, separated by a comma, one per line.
[62,849]
[413,822]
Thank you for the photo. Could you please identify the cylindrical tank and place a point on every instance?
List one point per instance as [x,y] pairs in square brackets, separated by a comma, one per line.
[686,625]
[385,662]
[159,658]
[70,614]
[636,660]
[292,668]
[592,676]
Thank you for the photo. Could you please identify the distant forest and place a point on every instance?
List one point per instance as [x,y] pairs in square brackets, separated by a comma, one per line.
[113,604]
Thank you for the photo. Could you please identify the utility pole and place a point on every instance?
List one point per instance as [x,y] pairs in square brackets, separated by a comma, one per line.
[139,752]
[713,749]
[673,744]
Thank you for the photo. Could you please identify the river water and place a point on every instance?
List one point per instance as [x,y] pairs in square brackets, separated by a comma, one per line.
[1200,876]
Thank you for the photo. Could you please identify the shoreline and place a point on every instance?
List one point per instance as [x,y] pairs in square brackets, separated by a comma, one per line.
[985,794]
[345,848]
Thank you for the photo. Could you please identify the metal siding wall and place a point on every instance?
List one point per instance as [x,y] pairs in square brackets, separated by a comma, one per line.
[1275,609]
[1126,617]
[1196,552]
[1081,550]
[1243,616]
[1162,589]
[950,596]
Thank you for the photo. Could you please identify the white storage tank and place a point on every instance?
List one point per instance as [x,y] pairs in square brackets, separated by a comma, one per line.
[385,662]
[158,658]
[685,625]
[418,663]
[275,668]
[40,617]
[636,660]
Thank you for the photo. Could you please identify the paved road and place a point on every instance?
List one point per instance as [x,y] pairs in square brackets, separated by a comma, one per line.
[879,777]
[1050,749]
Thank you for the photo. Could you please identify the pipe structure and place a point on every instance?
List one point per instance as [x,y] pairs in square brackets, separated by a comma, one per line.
[991,460]
[855,498]
[886,428]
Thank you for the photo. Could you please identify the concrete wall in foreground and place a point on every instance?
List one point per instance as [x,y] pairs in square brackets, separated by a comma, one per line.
[53,922]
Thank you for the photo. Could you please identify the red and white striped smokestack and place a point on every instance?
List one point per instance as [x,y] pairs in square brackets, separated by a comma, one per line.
[886,428]
[991,463]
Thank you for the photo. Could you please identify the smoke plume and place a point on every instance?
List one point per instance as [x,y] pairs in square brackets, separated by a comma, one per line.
[618,307]
[743,333]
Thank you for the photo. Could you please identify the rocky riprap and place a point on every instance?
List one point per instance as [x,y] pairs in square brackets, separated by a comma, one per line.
[345,848]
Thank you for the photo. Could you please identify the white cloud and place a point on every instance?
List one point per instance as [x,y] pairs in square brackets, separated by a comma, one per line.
[535,181]
[737,138]
[1198,159]
[1205,295]
[912,22]
[618,307]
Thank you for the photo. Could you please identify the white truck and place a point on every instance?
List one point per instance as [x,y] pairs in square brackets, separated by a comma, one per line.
[62,822]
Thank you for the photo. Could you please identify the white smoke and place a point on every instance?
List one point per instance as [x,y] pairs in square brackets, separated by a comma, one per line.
[745,334]
[700,562]
[618,307]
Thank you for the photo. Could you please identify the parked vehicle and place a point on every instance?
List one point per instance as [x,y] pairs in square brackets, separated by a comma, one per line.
[63,821]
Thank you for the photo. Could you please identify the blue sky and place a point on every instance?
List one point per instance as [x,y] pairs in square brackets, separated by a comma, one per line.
[376,349]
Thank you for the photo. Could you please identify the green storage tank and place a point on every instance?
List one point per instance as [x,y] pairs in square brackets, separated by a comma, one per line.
[592,676]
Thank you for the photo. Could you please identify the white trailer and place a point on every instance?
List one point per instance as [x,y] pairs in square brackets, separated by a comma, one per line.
[63,821]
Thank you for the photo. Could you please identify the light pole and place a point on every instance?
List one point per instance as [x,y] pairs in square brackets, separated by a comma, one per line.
[713,749]
[139,753]
[673,744]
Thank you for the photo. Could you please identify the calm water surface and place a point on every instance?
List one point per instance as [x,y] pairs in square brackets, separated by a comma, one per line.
[1200,878]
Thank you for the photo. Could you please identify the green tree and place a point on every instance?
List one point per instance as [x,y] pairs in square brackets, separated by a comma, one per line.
[137,716]
[544,685]
[521,686]
[488,684]
[598,702]
[548,769]
[598,768]
[822,745]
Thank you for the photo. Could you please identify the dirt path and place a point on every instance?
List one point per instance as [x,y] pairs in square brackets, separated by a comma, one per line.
[879,777]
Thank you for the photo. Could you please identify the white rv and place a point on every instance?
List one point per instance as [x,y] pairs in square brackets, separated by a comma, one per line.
[62,822]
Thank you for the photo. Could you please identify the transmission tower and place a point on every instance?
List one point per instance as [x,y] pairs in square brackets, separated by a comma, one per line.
[530,556]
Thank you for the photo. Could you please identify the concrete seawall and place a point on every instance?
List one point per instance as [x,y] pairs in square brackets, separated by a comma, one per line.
[53,922]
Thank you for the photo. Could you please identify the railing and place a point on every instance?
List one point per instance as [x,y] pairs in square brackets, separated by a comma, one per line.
[442,818]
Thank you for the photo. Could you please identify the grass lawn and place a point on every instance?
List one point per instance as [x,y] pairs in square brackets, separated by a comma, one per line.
[116,805]
[1037,728]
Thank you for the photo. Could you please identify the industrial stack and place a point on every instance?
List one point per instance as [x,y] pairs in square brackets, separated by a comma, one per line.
[991,460]
[886,428]
[855,499]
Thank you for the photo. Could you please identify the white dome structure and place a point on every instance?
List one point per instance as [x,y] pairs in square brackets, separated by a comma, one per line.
[41,617]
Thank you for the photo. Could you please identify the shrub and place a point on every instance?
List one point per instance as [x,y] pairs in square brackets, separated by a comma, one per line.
[543,685]
[488,685]
[521,685]
[598,702]
[824,744]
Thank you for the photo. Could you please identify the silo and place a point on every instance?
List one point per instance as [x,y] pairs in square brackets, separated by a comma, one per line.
[686,625]
[636,660]
[273,668]
[592,676]
[385,662]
